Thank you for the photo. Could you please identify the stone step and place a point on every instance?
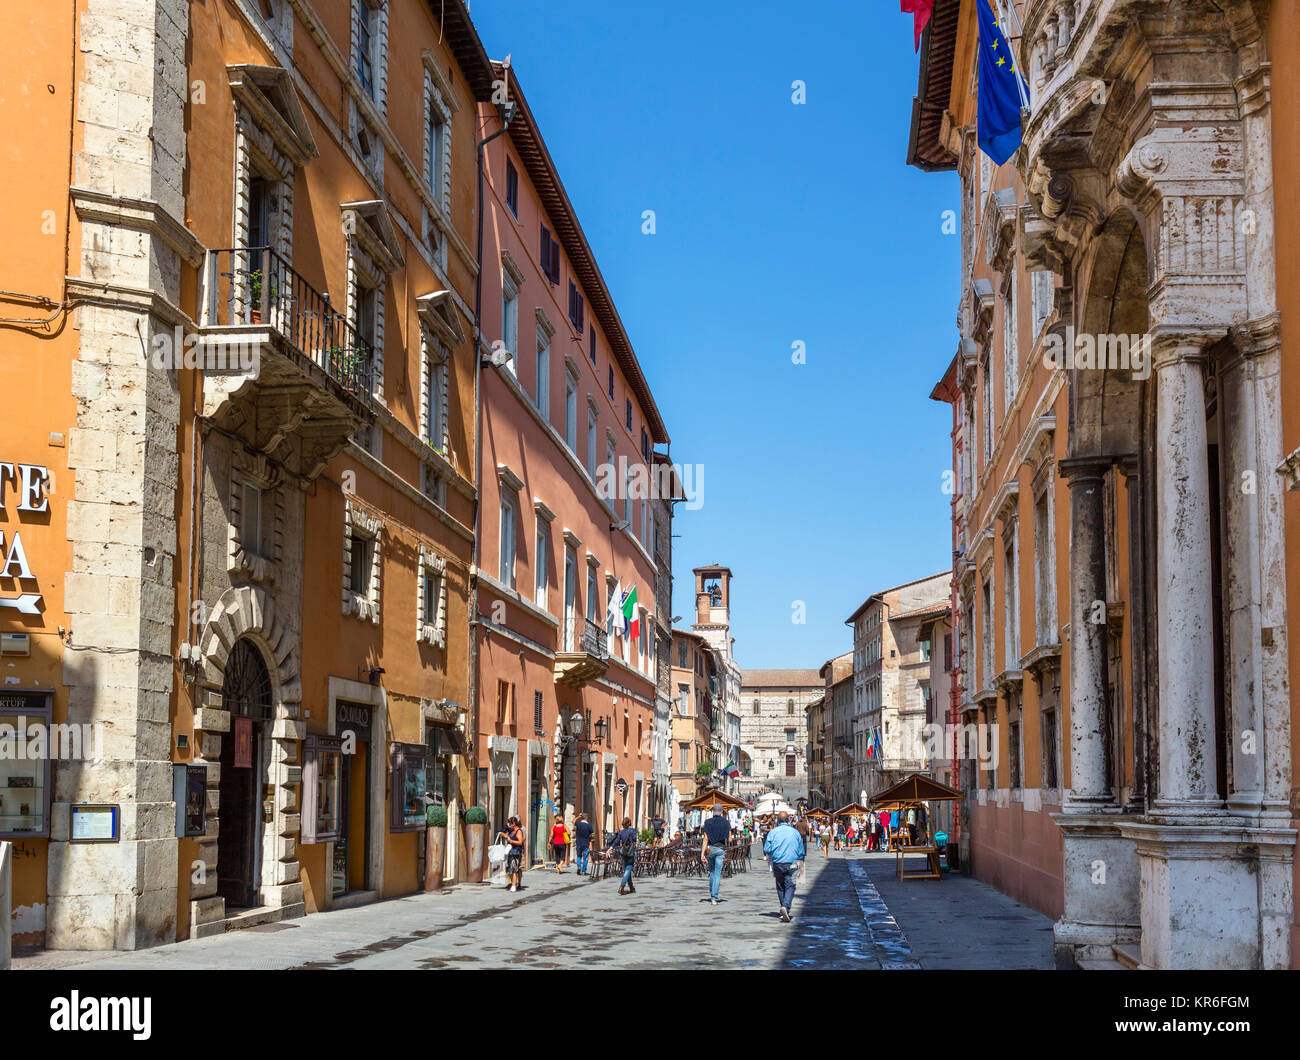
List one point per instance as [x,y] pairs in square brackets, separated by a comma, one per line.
[1129,954]
[1101,965]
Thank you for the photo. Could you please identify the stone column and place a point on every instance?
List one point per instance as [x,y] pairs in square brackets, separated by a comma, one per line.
[1087,787]
[1188,752]
[1137,630]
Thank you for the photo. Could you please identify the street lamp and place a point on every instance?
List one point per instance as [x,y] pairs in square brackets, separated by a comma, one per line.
[601,728]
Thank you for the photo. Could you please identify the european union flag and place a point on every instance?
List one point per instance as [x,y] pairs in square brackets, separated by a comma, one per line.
[1000,88]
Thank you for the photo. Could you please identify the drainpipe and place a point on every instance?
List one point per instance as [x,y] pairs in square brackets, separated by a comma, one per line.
[506,112]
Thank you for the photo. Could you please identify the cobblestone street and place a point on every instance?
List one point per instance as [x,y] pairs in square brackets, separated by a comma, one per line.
[851,912]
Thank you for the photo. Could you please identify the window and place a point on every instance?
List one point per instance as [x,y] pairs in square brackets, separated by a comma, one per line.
[629,414]
[790,735]
[26,769]
[757,708]
[684,701]
[550,252]
[591,442]
[1049,749]
[593,598]
[365,58]
[789,706]
[1010,354]
[251,537]
[789,765]
[510,319]
[571,410]
[1010,583]
[1013,737]
[541,563]
[947,652]
[1044,569]
[684,758]
[925,650]
[1043,287]
[538,724]
[512,188]
[644,630]
[507,544]
[645,445]
[576,307]
[611,382]
[986,629]
[612,461]
[431,611]
[359,571]
[505,702]
[435,144]
[986,397]
[542,397]
[435,397]
[591,343]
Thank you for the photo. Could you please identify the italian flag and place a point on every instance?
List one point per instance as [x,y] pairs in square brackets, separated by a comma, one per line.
[631,621]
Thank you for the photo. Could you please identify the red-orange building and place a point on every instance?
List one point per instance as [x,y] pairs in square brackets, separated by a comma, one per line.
[564,702]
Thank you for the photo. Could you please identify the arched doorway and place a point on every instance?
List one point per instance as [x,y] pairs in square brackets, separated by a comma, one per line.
[246,694]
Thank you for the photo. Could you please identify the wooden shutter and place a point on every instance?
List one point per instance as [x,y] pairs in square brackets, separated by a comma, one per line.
[546,250]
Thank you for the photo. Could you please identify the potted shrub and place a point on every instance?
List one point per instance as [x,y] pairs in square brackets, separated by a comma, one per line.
[475,842]
[435,847]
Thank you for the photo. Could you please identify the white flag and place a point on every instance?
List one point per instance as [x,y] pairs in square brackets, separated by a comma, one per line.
[614,613]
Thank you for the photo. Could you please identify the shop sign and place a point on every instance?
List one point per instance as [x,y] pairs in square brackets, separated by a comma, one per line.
[353,715]
[29,481]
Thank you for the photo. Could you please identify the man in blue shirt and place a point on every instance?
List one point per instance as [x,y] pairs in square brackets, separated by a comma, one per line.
[716,833]
[784,849]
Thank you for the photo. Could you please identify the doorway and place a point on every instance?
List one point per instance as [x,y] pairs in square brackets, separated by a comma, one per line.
[351,865]
[246,694]
[538,810]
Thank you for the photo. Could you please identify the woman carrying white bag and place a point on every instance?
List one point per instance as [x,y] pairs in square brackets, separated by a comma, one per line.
[513,834]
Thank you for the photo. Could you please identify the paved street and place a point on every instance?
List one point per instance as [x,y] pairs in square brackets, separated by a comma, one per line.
[850,913]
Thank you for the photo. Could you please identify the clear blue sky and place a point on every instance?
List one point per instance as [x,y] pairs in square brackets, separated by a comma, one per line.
[776,223]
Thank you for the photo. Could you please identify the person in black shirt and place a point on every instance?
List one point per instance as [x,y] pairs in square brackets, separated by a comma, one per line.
[716,833]
[623,844]
[582,842]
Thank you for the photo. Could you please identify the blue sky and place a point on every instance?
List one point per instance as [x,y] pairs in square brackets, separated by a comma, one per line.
[776,223]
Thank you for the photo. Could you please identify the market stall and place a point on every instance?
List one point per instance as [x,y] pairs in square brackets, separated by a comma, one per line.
[914,793]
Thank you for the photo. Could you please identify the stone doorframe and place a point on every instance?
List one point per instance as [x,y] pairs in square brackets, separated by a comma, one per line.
[374,696]
[249,612]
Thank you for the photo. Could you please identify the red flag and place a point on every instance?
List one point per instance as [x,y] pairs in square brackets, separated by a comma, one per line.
[920,11]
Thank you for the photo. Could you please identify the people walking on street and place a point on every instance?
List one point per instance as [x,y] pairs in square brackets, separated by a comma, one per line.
[716,833]
[784,849]
[824,836]
[624,845]
[559,842]
[513,834]
[582,831]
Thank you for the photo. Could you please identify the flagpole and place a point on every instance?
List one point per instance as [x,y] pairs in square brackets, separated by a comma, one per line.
[1003,6]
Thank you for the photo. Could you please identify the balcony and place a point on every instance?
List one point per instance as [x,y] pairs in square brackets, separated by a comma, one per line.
[585,656]
[284,370]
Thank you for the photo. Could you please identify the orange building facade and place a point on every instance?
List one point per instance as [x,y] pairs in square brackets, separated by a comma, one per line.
[1123,532]
[564,700]
[244,465]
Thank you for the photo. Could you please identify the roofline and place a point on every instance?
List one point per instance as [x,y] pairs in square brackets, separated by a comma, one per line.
[531,148]
[925,148]
[466,47]
[876,596]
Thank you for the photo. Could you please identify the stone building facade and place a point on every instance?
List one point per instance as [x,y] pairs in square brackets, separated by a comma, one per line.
[713,623]
[837,737]
[1123,330]
[891,671]
[773,721]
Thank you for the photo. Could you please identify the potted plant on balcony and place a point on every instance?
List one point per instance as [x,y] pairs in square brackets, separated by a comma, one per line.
[254,287]
[475,842]
[435,819]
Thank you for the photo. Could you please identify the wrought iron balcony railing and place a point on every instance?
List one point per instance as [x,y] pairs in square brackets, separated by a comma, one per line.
[581,634]
[255,285]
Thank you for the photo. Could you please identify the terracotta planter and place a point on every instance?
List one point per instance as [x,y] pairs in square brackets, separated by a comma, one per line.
[255,316]
[435,848]
[475,851]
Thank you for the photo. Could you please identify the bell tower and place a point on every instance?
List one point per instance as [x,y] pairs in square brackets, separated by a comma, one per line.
[712,596]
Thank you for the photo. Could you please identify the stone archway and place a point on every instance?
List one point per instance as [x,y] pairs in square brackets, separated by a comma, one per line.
[246,616]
